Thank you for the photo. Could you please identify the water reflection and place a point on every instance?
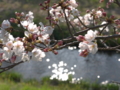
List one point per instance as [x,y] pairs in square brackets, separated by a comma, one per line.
[100,64]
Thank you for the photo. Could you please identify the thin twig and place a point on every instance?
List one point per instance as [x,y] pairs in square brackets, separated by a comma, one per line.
[68,44]
[72,27]
[67,23]
[82,23]
[104,43]
[95,27]
[108,36]
[103,29]
[110,48]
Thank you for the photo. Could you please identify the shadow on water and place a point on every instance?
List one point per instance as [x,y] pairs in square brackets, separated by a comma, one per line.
[105,65]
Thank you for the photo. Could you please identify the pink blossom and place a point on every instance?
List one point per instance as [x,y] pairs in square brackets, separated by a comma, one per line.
[5,24]
[18,47]
[92,47]
[32,28]
[73,3]
[90,36]
[83,46]
[38,54]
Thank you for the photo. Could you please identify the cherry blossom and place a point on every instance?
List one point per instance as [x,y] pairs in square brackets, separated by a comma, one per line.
[45,39]
[25,24]
[90,36]
[32,28]
[5,24]
[7,53]
[83,45]
[30,16]
[26,56]
[73,3]
[84,53]
[9,44]
[88,17]
[18,47]
[38,54]
[45,29]
[87,45]
[99,14]
[92,47]
[5,36]
[75,12]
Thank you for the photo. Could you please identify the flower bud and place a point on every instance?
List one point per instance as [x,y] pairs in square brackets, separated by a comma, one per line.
[60,43]
[87,11]
[48,1]
[55,6]
[104,14]
[55,52]
[46,49]
[112,17]
[18,38]
[42,8]
[80,38]
[34,36]
[41,4]
[68,8]
[2,60]
[17,14]
[84,53]
[12,20]
[22,13]
[117,22]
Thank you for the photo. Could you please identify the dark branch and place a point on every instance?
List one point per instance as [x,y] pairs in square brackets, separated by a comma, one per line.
[2,69]
[110,48]
[117,2]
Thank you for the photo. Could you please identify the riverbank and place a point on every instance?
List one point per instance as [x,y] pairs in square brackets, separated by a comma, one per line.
[14,81]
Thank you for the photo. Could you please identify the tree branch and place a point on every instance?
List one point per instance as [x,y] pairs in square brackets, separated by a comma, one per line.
[67,22]
[110,48]
[117,2]
[2,69]
[108,36]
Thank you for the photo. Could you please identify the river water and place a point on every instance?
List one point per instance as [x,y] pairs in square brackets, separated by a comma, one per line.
[101,64]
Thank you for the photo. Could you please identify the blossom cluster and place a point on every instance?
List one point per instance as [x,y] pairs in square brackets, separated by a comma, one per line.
[36,40]
[25,47]
[16,47]
[60,11]
[68,9]
[88,18]
[86,44]
[37,37]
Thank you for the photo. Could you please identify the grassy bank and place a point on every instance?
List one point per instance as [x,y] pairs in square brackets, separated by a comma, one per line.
[14,81]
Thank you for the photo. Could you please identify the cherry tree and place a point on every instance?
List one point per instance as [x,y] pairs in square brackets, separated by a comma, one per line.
[87,31]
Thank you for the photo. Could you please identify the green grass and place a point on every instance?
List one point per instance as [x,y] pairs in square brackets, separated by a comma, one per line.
[14,81]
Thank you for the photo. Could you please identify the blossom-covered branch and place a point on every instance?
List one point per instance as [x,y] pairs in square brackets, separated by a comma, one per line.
[96,26]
